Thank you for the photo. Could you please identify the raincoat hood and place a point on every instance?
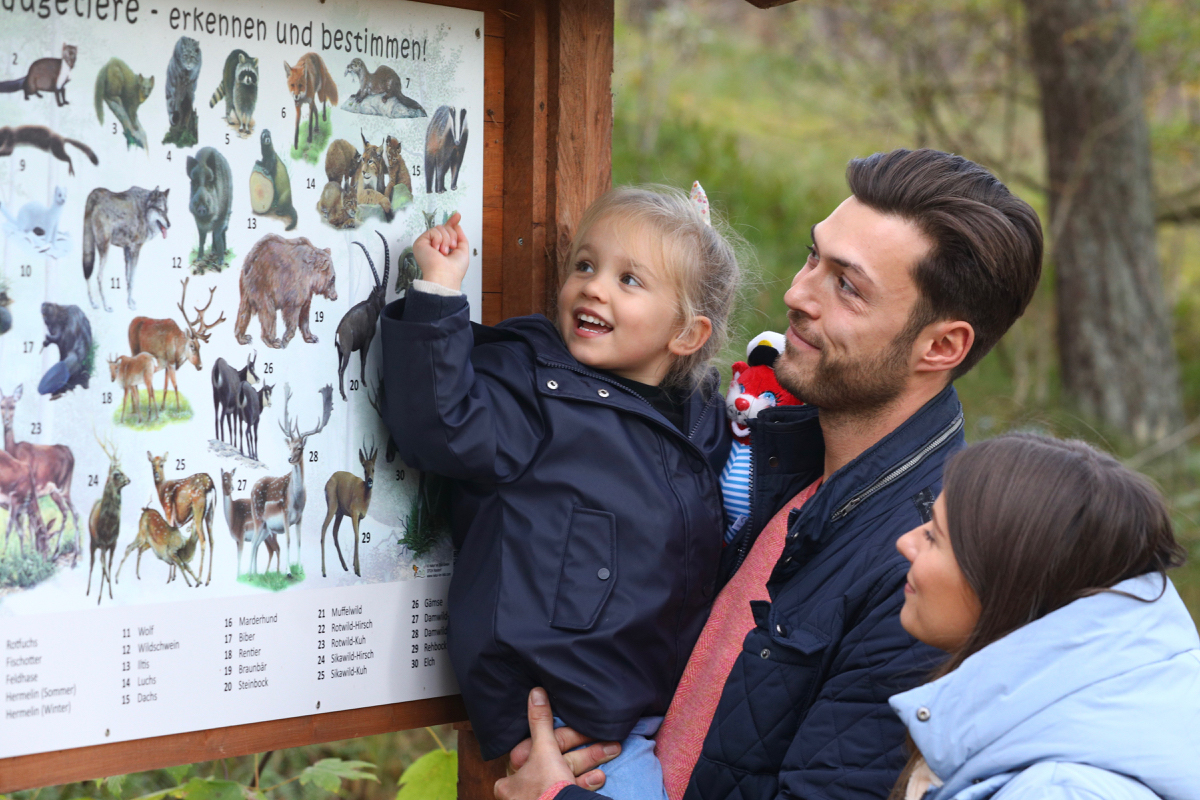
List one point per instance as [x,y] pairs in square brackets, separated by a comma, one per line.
[1108,682]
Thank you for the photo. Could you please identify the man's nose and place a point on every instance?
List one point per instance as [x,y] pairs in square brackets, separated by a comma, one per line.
[800,295]
[741,404]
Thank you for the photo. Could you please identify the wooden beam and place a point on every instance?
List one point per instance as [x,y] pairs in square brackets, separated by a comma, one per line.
[476,777]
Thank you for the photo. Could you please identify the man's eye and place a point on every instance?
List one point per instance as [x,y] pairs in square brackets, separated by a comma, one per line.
[846,286]
[812,253]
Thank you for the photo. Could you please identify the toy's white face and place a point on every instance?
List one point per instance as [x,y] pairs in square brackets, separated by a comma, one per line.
[742,406]
[618,310]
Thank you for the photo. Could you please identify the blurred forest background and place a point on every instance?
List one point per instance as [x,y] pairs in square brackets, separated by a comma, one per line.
[1089,109]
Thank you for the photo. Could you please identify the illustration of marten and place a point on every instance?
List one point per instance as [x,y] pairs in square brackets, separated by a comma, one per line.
[123,91]
[42,138]
[46,75]
[239,87]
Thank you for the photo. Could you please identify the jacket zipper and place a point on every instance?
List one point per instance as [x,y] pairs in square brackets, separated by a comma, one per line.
[903,469]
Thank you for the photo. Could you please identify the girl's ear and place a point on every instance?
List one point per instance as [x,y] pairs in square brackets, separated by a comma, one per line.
[691,338]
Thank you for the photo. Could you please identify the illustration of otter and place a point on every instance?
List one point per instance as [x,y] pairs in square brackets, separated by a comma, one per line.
[270,186]
[42,138]
[283,275]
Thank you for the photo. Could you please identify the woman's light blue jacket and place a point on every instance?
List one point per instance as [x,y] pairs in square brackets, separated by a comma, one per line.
[1099,700]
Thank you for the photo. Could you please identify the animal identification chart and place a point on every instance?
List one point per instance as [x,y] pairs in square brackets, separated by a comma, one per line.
[203,209]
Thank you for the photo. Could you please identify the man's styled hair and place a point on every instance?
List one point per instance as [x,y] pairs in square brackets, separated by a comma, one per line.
[986,254]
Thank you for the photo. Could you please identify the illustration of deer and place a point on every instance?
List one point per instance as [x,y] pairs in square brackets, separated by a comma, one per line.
[379,403]
[356,331]
[240,519]
[104,523]
[169,345]
[250,404]
[347,495]
[52,466]
[17,494]
[226,382]
[129,371]
[278,503]
[186,500]
[168,544]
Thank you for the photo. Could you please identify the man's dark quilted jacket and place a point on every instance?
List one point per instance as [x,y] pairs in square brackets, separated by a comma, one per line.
[804,712]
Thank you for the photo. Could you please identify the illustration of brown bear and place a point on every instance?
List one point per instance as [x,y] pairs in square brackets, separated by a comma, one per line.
[283,275]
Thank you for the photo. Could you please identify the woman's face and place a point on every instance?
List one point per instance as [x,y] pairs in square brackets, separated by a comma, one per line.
[940,608]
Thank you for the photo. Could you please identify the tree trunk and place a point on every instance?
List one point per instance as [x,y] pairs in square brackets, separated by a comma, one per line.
[1114,327]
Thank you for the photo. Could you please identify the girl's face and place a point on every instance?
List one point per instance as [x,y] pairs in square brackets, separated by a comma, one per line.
[940,608]
[618,308]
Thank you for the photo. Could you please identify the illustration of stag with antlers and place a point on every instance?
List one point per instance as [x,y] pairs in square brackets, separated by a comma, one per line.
[278,503]
[104,523]
[170,346]
[187,500]
[347,495]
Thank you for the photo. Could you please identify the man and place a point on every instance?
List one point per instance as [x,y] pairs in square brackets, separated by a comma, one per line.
[908,284]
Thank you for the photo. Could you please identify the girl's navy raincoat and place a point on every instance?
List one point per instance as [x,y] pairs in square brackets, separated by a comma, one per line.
[588,527]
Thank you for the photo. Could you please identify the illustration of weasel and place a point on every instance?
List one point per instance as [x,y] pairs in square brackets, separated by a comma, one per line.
[42,138]
[122,91]
[46,75]
[38,221]
[239,87]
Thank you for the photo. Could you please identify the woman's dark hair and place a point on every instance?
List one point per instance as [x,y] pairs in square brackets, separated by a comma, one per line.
[1037,523]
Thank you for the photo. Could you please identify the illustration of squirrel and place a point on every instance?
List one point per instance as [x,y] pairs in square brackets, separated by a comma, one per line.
[123,92]
[42,138]
[46,75]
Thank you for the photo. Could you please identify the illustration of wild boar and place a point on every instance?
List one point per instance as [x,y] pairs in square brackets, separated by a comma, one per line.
[211,194]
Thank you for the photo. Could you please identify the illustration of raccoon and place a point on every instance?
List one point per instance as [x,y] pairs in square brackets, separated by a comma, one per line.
[239,87]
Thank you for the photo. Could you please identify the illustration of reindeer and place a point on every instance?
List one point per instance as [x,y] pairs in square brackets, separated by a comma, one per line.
[104,523]
[226,383]
[278,503]
[356,331]
[240,520]
[17,494]
[186,500]
[379,403]
[169,546]
[250,404]
[129,371]
[169,345]
[347,495]
[52,465]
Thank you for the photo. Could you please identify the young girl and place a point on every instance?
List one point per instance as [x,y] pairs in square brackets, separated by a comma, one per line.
[1074,667]
[584,455]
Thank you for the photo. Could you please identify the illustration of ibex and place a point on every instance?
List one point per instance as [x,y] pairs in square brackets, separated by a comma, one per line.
[168,544]
[278,503]
[52,467]
[129,371]
[104,523]
[356,331]
[170,346]
[226,382]
[347,495]
[240,520]
[186,500]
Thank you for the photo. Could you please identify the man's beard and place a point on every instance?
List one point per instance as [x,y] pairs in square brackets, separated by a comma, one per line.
[845,387]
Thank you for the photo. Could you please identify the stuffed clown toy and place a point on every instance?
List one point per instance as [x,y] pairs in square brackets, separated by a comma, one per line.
[753,388]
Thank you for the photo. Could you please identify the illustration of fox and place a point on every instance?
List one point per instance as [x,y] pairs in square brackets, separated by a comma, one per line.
[310,81]
[126,219]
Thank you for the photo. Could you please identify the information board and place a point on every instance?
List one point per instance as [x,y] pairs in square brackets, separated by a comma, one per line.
[202,210]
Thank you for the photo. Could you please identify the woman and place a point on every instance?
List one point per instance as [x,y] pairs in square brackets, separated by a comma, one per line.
[1074,667]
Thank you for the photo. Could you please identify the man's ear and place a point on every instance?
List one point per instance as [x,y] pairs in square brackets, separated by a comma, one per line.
[691,338]
[943,345]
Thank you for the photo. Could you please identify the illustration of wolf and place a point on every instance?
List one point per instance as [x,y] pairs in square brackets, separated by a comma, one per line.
[310,81]
[46,75]
[239,87]
[122,91]
[42,138]
[126,219]
[182,72]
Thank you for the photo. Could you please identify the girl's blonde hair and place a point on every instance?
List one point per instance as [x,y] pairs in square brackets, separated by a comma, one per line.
[701,259]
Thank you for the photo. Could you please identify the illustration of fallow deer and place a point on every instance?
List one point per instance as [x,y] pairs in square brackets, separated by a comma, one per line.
[240,519]
[104,523]
[171,346]
[187,499]
[347,495]
[53,466]
[278,503]
[129,371]
[168,544]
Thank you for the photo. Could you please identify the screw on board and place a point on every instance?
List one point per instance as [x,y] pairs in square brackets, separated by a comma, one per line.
[520,242]
[319,702]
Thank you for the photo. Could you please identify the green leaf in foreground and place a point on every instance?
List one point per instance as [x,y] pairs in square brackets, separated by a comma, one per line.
[433,776]
[328,773]
[204,789]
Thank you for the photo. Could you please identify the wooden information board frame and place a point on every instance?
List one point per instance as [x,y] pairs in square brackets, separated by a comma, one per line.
[547,156]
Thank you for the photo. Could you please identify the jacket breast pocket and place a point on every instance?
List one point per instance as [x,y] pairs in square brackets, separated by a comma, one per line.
[588,569]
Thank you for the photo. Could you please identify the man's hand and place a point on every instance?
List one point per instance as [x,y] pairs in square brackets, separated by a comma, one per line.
[540,761]
[443,253]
